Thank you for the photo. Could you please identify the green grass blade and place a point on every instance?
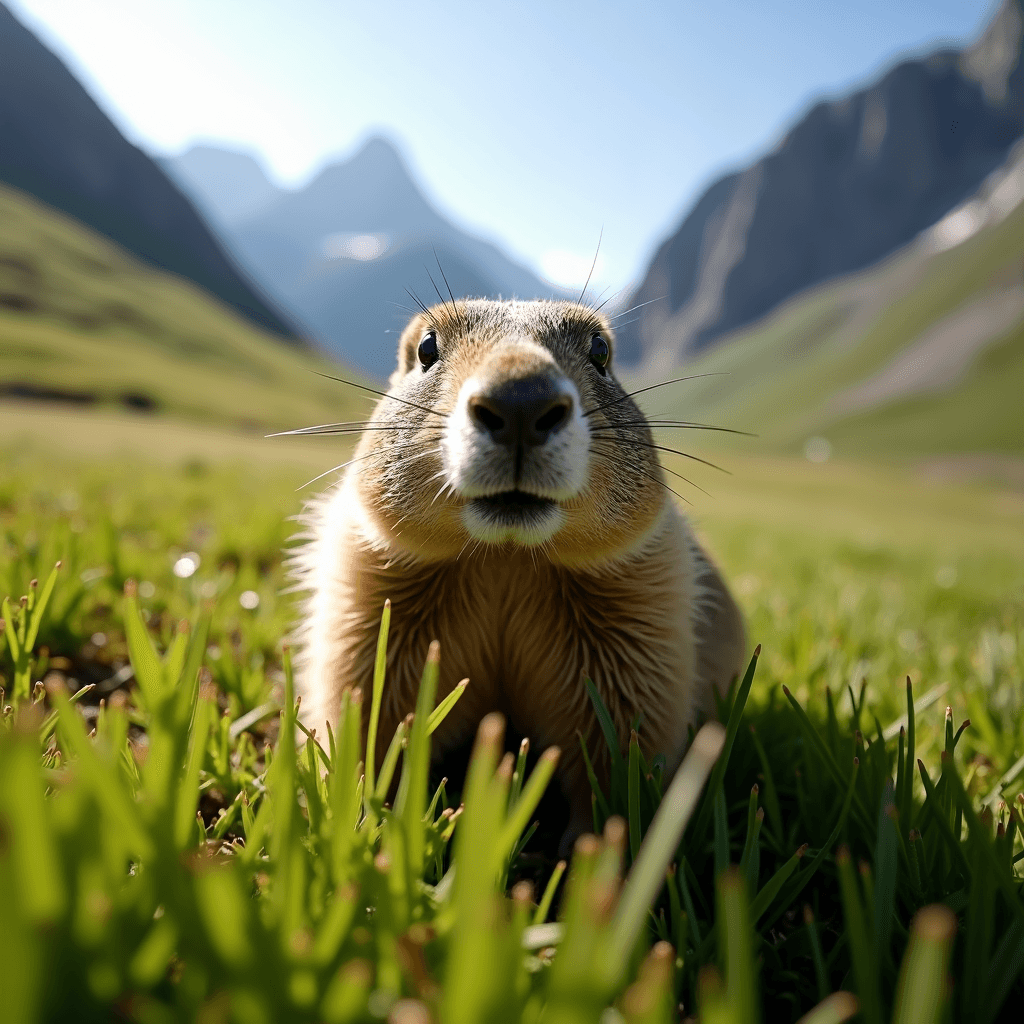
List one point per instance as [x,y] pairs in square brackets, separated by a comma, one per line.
[526,804]
[834,1009]
[390,762]
[808,873]
[544,907]
[336,923]
[901,767]
[436,799]
[731,729]
[771,794]
[941,818]
[122,811]
[753,829]
[224,910]
[604,719]
[771,888]
[595,786]
[174,656]
[145,661]
[983,838]
[633,792]
[922,985]
[149,963]
[807,728]
[675,909]
[28,836]
[736,952]
[312,744]
[39,608]
[438,715]
[979,926]
[345,1000]
[13,646]
[188,785]
[343,785]
[411,805]
[469,970]
[885,871]
[721,833]
[379,666]
[188,678]
[814,941]
[687,896]
[865,962]
[648,872]
[519,773]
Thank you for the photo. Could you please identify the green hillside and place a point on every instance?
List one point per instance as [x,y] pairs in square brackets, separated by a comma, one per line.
[83,322]
[921,354]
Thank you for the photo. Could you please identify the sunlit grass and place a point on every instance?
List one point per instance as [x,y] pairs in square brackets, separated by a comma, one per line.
[264,897]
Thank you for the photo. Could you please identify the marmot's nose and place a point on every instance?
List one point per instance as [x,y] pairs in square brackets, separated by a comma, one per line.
[526,411]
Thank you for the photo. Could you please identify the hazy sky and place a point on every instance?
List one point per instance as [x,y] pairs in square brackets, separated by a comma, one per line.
[534,123]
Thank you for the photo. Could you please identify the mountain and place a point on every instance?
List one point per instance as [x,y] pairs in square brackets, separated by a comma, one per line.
[852,181]
[235,185]
[84,321]
[920,354]
[56,144]
[340,252]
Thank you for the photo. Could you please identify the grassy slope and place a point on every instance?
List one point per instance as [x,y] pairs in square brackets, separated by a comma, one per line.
[781,373]
[80,316]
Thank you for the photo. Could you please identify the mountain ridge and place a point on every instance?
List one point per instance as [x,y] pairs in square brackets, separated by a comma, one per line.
[341,251]
[851,181]
[58,145]
[919,354]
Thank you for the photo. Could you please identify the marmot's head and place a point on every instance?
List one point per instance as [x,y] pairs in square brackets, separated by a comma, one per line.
[505,425]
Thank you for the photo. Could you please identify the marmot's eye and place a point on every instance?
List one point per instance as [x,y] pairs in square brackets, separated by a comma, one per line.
[599,351]
[427,351]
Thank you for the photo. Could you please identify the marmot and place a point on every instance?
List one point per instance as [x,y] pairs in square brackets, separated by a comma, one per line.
[508,499]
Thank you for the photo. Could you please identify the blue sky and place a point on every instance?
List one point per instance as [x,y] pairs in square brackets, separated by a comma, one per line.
[536,124]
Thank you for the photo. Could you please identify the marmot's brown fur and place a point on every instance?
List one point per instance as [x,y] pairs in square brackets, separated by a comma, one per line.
[509,502]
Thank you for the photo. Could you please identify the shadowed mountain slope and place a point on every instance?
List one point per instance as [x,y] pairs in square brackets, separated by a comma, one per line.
[56,144]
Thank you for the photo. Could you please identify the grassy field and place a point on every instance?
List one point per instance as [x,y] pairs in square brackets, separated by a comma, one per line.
[852,577]
[847,572]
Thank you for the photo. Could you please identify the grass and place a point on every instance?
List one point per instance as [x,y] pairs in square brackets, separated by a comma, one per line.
[80,318]
[852,577]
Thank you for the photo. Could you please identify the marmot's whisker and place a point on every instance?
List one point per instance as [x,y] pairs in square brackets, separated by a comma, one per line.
[374,391]
[650,387]
[345,465]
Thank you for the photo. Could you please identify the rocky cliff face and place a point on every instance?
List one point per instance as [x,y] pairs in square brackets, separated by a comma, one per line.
[855,179]
[56,144]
